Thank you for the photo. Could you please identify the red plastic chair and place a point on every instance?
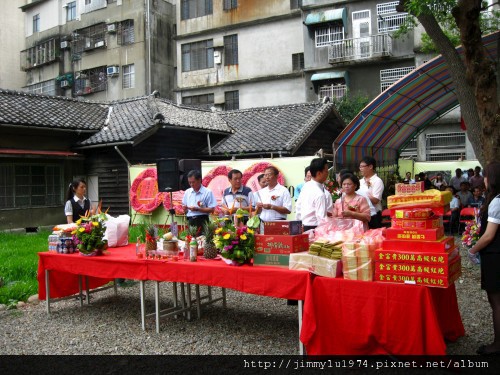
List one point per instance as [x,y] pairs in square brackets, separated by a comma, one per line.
[386,218]
[467,215]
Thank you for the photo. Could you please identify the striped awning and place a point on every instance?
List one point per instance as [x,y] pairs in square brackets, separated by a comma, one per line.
[327,16]
[405,109]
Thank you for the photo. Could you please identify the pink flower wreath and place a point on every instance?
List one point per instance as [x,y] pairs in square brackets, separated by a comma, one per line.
[216,180]
[251,173]
[177,198]
[144,195]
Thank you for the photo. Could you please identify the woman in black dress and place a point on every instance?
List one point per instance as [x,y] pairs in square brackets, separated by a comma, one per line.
[488,247]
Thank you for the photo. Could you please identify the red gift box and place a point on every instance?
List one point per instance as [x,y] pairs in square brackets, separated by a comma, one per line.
[432,281]
[433,222]
[281,244]
[417,187]
[414,269]
[411,257]
[438,210]
[415,213]
[278,260]
[283,227]
[445,244]
[413,234]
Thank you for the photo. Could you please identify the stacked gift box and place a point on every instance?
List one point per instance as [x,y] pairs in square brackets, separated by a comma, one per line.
[416,250]
[280,239]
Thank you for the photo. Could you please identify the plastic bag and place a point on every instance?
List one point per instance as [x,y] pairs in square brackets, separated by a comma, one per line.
[117,230]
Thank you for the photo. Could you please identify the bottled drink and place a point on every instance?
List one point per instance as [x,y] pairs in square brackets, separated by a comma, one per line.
[193,250]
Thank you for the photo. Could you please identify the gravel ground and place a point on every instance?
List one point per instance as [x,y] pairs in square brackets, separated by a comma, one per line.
[260,325]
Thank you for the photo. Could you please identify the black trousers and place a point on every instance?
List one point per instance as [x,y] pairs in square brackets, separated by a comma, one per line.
[197,221]
[376,221]
[308,227]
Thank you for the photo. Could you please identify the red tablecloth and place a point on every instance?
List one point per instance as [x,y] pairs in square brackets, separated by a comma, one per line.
[261,280]
[364,318]
[119,262]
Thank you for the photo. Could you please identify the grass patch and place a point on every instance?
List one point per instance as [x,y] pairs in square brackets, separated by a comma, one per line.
[19,264]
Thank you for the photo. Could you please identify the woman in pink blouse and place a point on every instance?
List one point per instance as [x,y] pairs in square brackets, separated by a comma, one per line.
[352,205]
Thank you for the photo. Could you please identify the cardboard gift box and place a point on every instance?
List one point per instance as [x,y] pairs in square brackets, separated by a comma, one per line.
[432,281]
[283,227]
[433,222]
[281,244]
[413,257]
[318,265]
[278,260]
[415,213]
[445,245]
[427,199]
[438,210]
[417,187]
[420,268]
[414,234]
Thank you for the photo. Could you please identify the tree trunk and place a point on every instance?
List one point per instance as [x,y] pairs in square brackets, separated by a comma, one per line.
[474,80]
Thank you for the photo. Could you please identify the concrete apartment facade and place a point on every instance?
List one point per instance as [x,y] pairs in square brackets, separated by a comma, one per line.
[99,49]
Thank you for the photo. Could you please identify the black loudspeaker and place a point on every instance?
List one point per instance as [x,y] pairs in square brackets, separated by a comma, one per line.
[168,175]
[185,166]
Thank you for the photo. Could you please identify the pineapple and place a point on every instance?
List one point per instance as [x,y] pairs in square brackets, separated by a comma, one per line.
[209,231]
[151,237]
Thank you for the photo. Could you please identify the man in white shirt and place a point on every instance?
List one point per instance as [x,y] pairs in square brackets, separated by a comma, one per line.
[312,204]
[372,187]
[275,201]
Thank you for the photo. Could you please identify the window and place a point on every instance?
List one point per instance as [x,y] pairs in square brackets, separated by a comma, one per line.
[90,81]
[444,146]
[88,2]
[332,90]
[297,61]
[128,76]
[36,23]
[23,185]
[201,101]
[195,8]
[232,100]
[230,4]
[126,32]
[329,34]
[410,150]
[46,88]
[231,50]
[89,38]
[295,4]
[389,76]
[198,55]
[71,11]
[388,19]
[40,54]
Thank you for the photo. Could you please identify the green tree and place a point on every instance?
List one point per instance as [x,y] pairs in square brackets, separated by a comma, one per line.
[475,77]
[350,105]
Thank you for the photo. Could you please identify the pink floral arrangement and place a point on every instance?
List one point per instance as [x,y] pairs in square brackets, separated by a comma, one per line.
[144,194]
[333,188]
[471,234]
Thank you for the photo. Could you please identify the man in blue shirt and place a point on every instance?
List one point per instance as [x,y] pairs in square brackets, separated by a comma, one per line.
[198,201]
[236,196]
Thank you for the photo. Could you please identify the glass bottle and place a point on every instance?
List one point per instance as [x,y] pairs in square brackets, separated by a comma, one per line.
[193,250]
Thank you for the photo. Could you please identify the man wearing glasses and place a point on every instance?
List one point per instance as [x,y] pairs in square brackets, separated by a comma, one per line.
[275,201]
[372,187]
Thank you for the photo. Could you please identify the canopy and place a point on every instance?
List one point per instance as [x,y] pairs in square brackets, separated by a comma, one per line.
[326,16]
[405,109]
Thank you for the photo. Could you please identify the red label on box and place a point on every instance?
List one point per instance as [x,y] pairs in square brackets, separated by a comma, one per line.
[415,213]
[281,244]
[419,268]
[433,281]
[445,244]
[414,234]
[417,187]
[399,256]
[434,222]
[283,227]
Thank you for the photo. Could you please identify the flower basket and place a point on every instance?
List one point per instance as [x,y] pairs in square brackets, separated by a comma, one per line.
[89,235]
[236,244]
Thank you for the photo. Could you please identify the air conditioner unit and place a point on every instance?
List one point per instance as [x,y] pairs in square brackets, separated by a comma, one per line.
[112,28]
[64,84]
[99,44]
[112,70]
[64,44]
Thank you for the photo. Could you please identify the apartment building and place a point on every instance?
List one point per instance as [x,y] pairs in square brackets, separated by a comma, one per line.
[99,49]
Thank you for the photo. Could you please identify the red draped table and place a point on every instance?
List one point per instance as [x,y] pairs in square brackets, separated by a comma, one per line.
[344,317]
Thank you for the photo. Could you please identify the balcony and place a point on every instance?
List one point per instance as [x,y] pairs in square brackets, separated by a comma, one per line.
[332,91]
[365,48]
[43,53]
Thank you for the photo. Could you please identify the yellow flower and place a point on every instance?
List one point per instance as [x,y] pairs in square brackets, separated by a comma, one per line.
[239,216]
[250,231]
[78,222]
[227,236]
[81,230]
[243,237]
[218,230]
[74,232]
[95,223]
